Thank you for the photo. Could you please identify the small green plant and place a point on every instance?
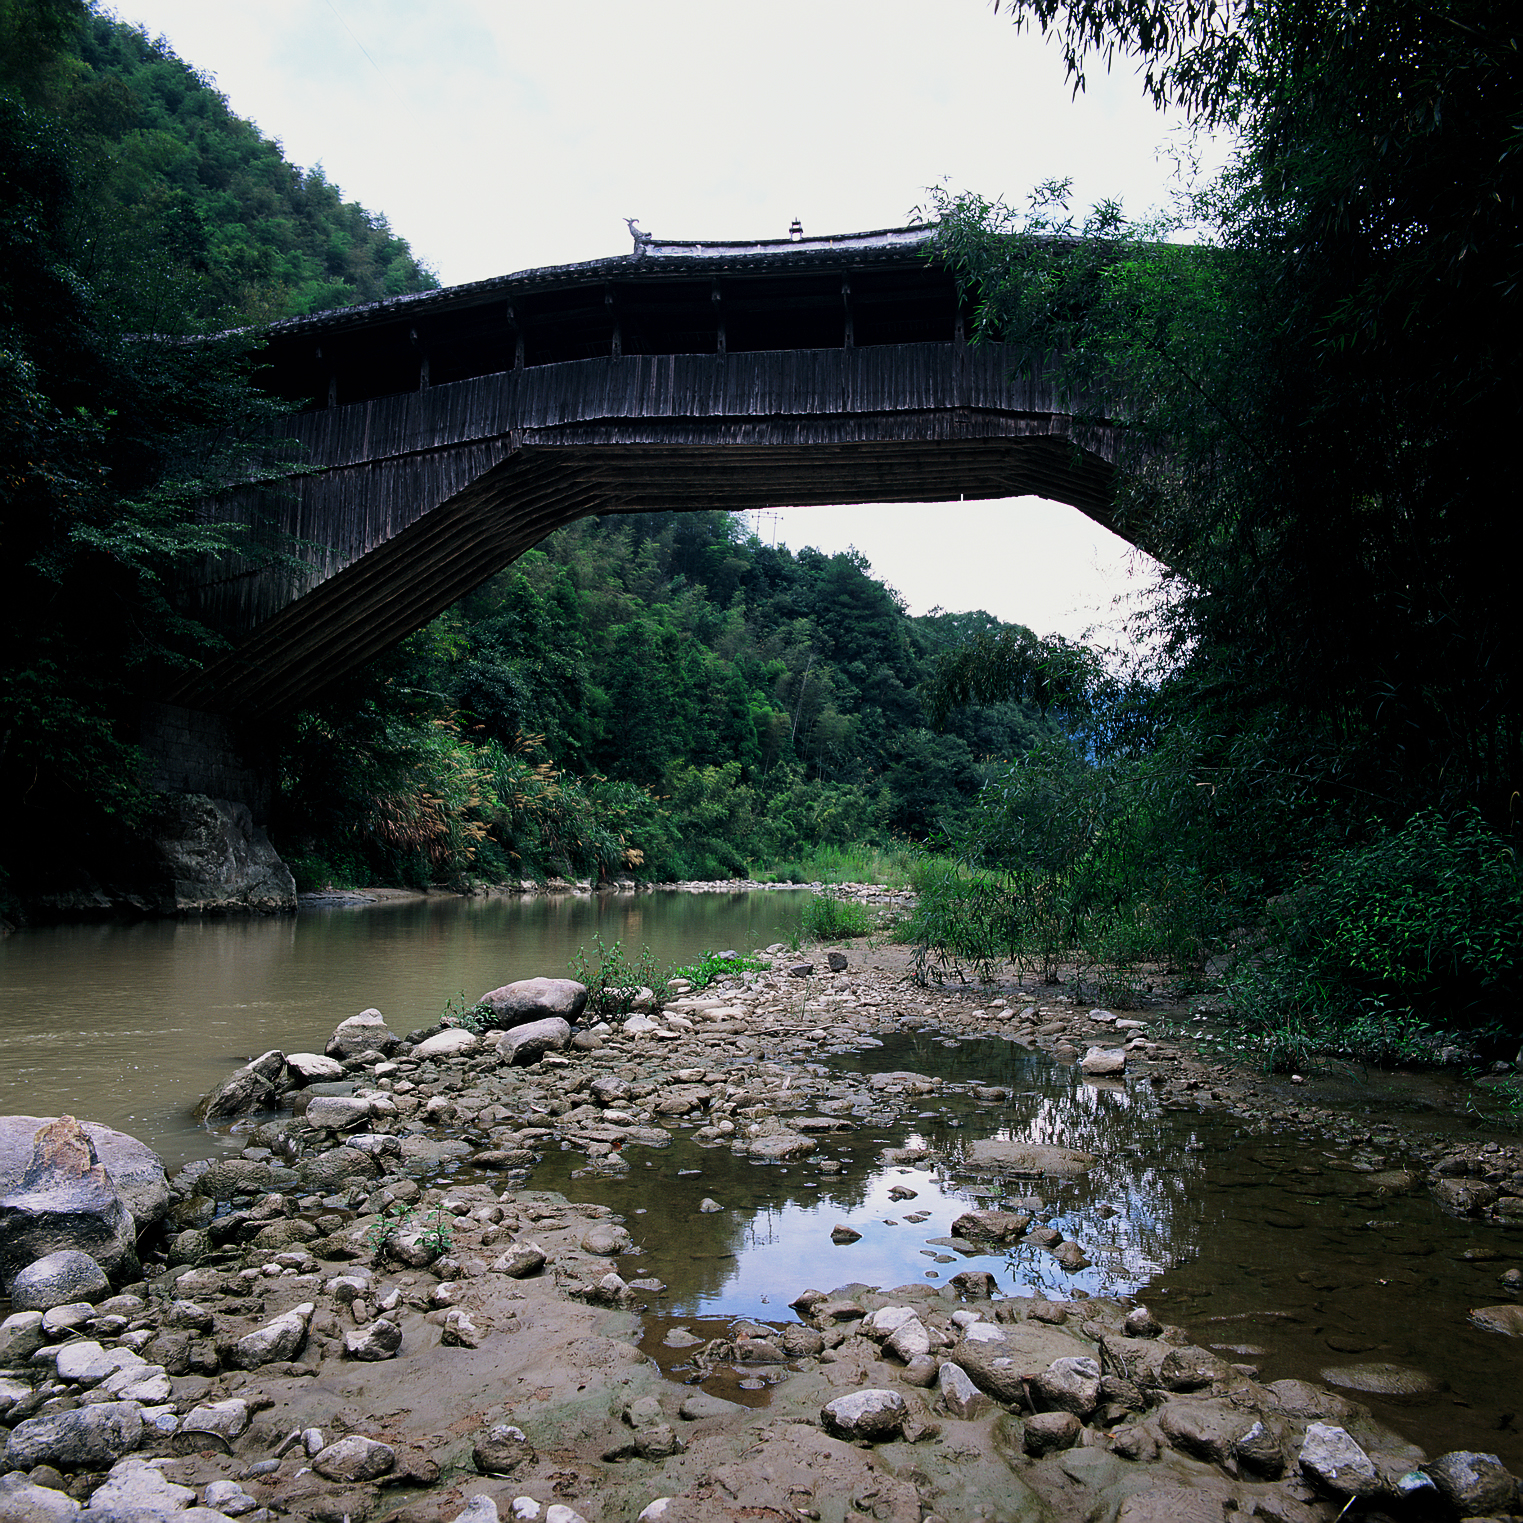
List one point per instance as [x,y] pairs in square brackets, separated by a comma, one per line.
[392,1219]
[711,967]
[472,1018]
[434,1228]
[437,1231]
[613,980]
[828,918]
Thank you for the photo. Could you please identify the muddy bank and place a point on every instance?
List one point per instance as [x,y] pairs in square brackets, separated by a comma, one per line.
[518,1309]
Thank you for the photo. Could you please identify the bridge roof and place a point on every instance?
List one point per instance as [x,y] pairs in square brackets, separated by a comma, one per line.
[665,297]
[658,258]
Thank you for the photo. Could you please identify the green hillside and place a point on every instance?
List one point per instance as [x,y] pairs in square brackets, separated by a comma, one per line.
[136,210]
[659,693]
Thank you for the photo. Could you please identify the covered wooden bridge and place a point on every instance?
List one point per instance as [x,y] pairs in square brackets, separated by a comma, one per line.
[447,433]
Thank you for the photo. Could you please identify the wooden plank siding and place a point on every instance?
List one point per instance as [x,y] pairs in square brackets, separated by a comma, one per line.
[407,502]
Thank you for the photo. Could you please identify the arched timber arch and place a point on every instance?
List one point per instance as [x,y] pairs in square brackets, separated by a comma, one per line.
[413,498]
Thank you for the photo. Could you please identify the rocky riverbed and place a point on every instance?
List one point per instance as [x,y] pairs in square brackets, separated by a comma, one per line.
[367,1311]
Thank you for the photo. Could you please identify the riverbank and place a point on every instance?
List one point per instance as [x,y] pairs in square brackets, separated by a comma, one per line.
[544,1315]
[883,894]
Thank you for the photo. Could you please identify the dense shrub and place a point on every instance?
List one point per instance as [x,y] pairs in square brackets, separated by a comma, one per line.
[1418,933]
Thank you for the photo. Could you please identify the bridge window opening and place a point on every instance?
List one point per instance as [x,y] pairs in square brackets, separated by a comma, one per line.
[809,299]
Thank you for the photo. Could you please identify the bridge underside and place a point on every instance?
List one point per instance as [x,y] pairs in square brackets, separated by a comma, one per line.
[417,499]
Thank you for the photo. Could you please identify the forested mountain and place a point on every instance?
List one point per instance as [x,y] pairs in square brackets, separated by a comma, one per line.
[136,210]
[715,704]
[166,173]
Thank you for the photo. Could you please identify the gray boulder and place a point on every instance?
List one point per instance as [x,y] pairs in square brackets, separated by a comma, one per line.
[254,1087]
[87,1438]
[239,1176]
[229,1498]
[355,1458]
[337,1168]
[375,1341]
[1473,1484]
[1331,1459]
[135,1169]
[873,1414]
[991,1226]
[520,1260]
[1069,1385]
[313,1068]
[1047,1432]
[334,1113]
[478,1509]
[501,1450]
[529,1042]
[136,1490]
[701,1405]
[21,1335]
[958,1394]
[1205,1430]
[57,1279]
[86,1363]
[607,1239]
[1028,1158]
[1102,1061]
[534,999]
[276,1341]
[782,1146]
[65,1199]
[1506,1319]
[1384,1379]
[453,1042]
[227,1420]
[365,1032]
[12,1391]
[212,858]
[992,1369]
[23,1501]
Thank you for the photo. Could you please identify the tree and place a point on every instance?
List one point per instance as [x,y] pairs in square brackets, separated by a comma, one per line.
[1308,403]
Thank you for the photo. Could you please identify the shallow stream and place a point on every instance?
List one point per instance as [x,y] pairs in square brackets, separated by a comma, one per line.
[1282,1253]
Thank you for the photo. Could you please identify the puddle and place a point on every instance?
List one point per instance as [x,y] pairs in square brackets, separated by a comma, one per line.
[1285,1252]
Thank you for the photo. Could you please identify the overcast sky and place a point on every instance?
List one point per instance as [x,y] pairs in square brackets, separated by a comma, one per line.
[497,135]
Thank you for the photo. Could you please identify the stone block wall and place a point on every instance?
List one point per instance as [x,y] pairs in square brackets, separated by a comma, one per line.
[193,751]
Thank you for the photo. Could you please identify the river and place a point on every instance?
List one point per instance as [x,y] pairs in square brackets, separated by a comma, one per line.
[129,1024]
[1268,1248]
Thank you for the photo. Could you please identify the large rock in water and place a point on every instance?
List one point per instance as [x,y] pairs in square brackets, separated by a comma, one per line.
[135,1169]
[253,1087]
[65,1199]
[364,1032]
[997,1153]
[535,999]
[213,858]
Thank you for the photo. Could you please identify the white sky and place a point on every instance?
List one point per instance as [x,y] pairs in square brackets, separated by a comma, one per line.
[497,135]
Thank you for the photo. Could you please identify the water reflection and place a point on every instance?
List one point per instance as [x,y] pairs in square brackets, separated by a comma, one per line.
[1292,1252]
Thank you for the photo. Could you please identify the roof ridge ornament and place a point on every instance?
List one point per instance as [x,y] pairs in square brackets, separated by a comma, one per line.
[642,240]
